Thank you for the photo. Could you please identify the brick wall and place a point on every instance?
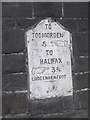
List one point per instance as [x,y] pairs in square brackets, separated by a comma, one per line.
[16,18]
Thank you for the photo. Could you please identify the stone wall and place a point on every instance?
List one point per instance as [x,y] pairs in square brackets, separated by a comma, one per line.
[16,18]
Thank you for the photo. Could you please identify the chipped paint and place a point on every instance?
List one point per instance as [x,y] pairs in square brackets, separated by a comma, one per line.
[49,60]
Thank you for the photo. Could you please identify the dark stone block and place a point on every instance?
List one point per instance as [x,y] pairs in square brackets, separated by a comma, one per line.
[83,25]
[80,43]
[80,64]
[76,9]
[70,25]
[8,23]
[14,103]
[52,105]
[80,81]
[6,110]
[27,23]
[13,82]
[13,63]
[17,10]
[47,9]
[14,117]
[70,114]
[22,116]
[17,3]
[13,41]
[82,113]
[81,100]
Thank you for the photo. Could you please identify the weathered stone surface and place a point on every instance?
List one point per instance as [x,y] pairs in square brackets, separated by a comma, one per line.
[14,103]
[81,100]
[50,73]
[27,23]
[80,81]
[13,41]
[47,9]
[52,105]
[69,24]
[80,64]
[17,10]
[83,25]
[24,116]
[76,9]
[57,115]
[13,82]
[80,43]
[8,23]
[82,113]
[13,63]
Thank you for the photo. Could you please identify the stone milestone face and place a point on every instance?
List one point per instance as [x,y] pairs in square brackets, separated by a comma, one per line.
[49,60]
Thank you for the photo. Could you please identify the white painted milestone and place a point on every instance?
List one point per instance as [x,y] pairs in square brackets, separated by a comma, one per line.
[49,60]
